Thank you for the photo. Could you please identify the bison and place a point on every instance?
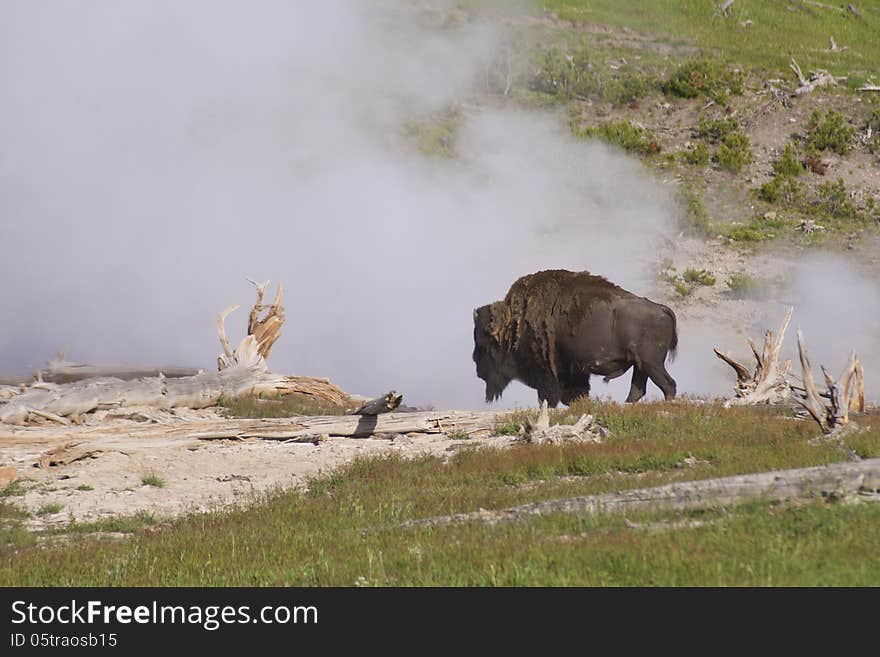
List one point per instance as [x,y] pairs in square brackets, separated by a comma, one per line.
[555,328]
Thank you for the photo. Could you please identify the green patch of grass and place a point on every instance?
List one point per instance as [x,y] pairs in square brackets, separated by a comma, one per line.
[682,289]
[50,508]
[458,435]
[512,426]
[317,537]
[281,406]
[624,134]
[758,229]
[777,31]
[84,487]
[704,77]
[119,524]
[153,479]
[698,276]
[831,132]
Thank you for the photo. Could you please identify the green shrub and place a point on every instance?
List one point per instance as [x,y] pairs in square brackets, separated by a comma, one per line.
[625,134]
[735,152]
[575,74]
[49,509]
[831,132]
[698,276]
[696,156]
[696,216]
[716,129]
[152,479]
[781,189]
[835,200]
[683,289]
[703,77]
[788,164]
[743,286]
[435,136]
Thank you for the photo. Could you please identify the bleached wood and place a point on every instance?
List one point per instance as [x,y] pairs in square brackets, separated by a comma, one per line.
[384,404]
[769,382]
[353,426]
[822,482]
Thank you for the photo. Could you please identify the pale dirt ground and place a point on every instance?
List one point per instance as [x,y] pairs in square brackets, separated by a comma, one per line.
[200,475]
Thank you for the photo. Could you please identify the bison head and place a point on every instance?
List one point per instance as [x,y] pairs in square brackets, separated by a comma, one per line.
[495,365]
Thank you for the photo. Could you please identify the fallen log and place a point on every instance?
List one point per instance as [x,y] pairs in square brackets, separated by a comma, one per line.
[822,482]
[354,426]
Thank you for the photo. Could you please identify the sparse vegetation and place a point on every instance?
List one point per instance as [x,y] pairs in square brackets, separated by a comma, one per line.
[84,487]
[696,156]
[458,435]
[696,219]
[744,286]
[14,489]
[715,130]
[152,479]
[50,508]
[624,134]
[581,72]
[435,136]
[698,276]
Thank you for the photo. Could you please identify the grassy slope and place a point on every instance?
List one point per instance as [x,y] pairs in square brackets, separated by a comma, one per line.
[779,30]
[317,537]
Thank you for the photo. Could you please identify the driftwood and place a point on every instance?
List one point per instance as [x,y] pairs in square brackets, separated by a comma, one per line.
[384,404]
[769,382]
[60,370]
[540,432]
[350,426]
[827,481]
[820,78]
[241,371]
[844,394]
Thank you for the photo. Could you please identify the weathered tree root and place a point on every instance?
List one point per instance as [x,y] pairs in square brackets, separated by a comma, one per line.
[769,383]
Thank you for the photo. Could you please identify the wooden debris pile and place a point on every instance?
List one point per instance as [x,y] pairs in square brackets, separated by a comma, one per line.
[585,430]
[773,383]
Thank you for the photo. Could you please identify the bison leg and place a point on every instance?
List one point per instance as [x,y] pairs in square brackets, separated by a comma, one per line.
[552,397]
[639,385]
[570,393]
[661,378]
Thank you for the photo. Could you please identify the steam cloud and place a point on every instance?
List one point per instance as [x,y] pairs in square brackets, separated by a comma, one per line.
[155,153]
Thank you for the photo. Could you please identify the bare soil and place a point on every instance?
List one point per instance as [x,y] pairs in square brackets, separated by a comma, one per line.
[199,475]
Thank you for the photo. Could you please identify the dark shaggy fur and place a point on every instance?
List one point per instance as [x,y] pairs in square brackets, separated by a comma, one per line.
[556,327]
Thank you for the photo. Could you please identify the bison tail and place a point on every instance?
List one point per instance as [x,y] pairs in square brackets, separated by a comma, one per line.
[673,344]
